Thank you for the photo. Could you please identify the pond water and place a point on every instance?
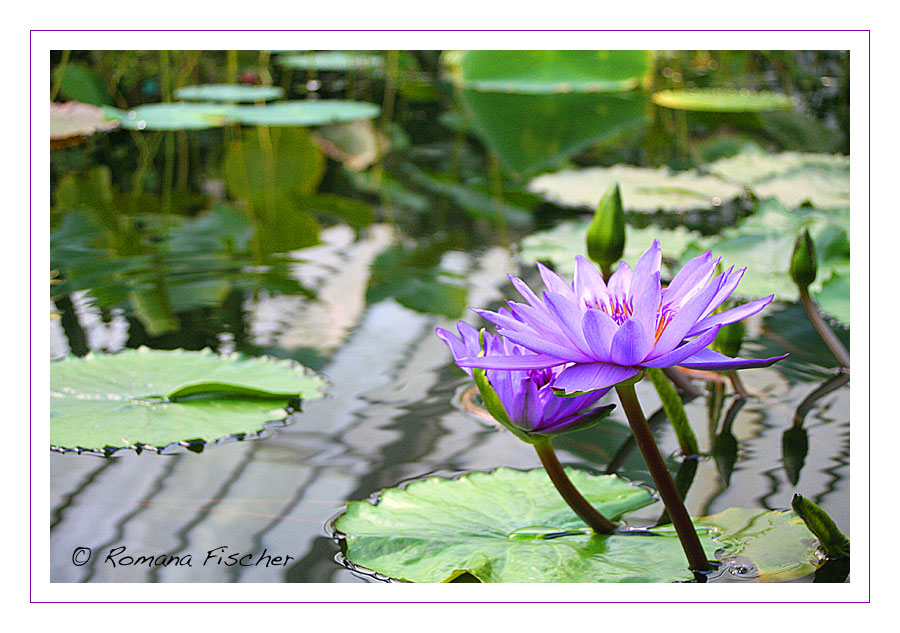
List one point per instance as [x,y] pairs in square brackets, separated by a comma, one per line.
[361,308]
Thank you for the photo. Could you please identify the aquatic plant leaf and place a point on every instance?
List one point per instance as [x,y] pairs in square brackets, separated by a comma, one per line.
[541,72]
[332,61]
[535,132]
[70,122]
[559,246]
[821,180]
[722,100]
[644,189]
[79,82]
[512,526]
[157,398]
[229,93]
[304,113]
[170,117]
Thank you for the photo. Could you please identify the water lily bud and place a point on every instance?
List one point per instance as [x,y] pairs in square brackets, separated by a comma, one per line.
[730,339]
[803,261]
[833,541]
[606,234]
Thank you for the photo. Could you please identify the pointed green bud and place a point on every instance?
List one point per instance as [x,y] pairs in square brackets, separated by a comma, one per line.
[803,261]
[730,338]
[833,541]
[606,234]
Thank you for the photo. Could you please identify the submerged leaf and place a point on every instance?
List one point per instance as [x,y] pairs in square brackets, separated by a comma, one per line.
[722,100]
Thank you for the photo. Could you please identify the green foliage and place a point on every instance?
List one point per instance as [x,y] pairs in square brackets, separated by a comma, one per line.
[536,71]
[79,82]
[157,398]
[512,526]
[722,100]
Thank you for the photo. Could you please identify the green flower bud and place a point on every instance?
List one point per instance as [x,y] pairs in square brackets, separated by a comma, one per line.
[606,234]
[833,541]
[803,261]
[730,338]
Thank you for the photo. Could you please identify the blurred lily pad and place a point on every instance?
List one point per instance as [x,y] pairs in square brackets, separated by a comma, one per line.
[722,100]
[332,61]
[304,113]
[72,121]
[231,93]
[644,189]
[559,246]
[168,117]
[512,526]
[152,398]
[542,72]
[822,180]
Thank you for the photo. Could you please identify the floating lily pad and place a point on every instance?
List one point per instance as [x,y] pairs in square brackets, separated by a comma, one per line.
[722,100]
[512,526]
[644,189]
[151,398]
[559,246]
[542,72]
[72,121]
[304,113]
[332,61]
[822,180]
[231,93]
[169,117]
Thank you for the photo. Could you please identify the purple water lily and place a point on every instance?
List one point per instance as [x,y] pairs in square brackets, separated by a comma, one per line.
[530,404]
[606,333]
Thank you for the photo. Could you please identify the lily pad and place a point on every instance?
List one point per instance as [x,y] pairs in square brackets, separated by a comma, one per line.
[230,93]
[512,526]
[559,246]
[822,180]
[304,113]
[722,100]
[644,189]
[150,398]
[72,121]
[169,117]
[542,72]
[332,61]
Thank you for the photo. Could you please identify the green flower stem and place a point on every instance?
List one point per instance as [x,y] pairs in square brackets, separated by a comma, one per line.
[831,340]
[567,490]
[674,409]
[663,480]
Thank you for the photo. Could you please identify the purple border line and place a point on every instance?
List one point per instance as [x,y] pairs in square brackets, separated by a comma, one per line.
[31,306]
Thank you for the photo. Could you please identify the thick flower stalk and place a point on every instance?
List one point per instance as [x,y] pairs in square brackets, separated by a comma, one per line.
[607,333]
[524,402]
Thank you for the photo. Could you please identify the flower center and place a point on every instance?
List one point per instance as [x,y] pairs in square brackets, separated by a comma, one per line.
[619,309]
[540,377]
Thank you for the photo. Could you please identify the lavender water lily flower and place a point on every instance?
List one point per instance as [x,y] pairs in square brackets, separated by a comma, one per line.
[527,404]
[606,333]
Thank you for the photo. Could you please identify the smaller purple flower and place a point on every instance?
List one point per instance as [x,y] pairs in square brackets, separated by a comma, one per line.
[523,400]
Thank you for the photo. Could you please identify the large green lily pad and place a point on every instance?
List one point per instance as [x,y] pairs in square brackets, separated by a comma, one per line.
[542,72]
[304,113]
[229,93]
[151,398]
[170,117]
[644,189]
[722,100]
[512,526]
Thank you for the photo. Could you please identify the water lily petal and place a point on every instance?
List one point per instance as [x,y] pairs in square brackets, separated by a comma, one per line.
[714,361]
[630,344]
[541,345]
[645,304]
[589,285]
[648,264]
[685,351]
[514,361]
[599,329]
[728,287]
[683,321]
[577,422]
[592,376]
[686,273]
[620,281]
[554,282]
[732,315]
[568,317]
